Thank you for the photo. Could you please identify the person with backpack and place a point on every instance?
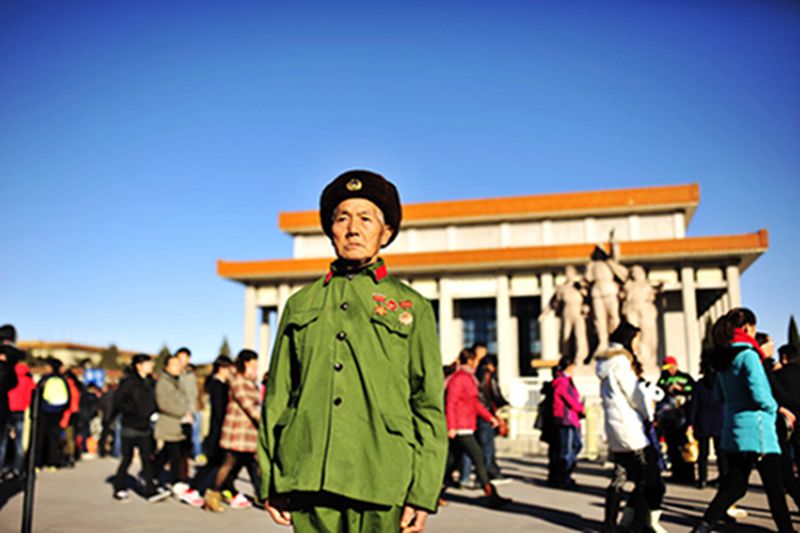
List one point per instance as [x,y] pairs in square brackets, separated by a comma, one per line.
[627,420]
[55,400]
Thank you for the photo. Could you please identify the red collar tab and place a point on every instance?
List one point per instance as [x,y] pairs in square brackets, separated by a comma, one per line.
[328,276]
[381,272]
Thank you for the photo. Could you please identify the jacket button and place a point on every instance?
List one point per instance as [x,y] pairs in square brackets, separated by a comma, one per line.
[344,306]
[341,335]
[338,367]
[337,401]
[350,277]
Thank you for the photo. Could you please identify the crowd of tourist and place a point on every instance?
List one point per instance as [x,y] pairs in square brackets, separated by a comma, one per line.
[743,406]
[150,413]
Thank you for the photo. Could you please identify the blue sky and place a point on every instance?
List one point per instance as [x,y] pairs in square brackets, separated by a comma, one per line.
[141,141]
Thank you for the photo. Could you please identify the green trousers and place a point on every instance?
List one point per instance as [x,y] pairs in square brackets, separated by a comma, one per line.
[320,512]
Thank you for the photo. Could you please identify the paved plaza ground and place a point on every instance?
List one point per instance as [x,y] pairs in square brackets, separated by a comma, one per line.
[79,500]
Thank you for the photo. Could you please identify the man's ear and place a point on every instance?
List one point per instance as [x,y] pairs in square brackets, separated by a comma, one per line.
[386,235]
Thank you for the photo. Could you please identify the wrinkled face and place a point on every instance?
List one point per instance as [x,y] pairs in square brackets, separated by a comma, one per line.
[359,231]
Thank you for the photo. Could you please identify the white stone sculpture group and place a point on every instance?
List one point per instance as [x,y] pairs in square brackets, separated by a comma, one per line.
[607,292]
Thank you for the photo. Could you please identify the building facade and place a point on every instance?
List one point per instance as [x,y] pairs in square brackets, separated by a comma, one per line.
[492,266]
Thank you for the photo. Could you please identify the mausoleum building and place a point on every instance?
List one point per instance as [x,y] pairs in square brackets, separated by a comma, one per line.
[491,266]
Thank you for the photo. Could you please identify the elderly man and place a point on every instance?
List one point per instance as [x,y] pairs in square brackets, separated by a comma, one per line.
[353,434]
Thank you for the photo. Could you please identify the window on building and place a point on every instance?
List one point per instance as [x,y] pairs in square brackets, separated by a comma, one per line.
[478,322]
[526,312]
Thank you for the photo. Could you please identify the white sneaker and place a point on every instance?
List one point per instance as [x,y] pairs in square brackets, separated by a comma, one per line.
[178,489]
[193,498]
[159,495]
[652,522]
[736,513]
[122,496]
[240,502]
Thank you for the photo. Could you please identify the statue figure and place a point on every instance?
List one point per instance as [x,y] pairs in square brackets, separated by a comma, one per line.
[569,304]
[639,308]
[605,274]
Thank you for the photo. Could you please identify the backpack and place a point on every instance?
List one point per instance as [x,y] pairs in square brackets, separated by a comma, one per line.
[55,395]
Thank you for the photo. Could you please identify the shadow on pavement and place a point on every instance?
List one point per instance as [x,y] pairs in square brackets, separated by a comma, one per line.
[572,521]
[9,489]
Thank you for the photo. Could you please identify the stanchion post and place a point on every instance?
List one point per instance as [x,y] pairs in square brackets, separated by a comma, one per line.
[30,477]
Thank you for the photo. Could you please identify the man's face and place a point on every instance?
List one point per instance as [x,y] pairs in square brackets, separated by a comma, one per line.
[768,348]
[146,368]
[359,231]
[672,370]
[174,366]
[183,357]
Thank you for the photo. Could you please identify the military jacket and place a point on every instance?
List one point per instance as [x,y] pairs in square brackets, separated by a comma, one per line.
[354,403]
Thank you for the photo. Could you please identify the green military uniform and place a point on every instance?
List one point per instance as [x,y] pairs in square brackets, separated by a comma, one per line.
[354,405]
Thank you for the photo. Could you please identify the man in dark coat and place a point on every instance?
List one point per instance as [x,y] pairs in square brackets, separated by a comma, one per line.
[785,378]
[705,420]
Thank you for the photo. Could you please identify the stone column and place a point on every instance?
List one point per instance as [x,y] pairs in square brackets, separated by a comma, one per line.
[446,322]
[284,292]
[263,342]
[508,362]
[734,288]
[250,317]
[548,324]
[689,297]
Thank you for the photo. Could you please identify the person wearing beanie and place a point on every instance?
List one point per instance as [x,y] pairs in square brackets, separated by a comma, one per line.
[353,430]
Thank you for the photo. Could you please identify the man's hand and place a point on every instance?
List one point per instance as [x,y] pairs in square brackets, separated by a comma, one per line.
[451,433]
[413,520]
[495,422]
[277,509]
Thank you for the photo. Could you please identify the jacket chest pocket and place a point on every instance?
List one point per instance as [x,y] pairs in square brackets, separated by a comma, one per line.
[393,336]
[300,327]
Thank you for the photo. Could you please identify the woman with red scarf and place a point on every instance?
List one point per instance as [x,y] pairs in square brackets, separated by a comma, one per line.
[749,438]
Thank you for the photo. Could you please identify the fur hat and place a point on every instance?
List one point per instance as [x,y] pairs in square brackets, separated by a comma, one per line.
[361,184]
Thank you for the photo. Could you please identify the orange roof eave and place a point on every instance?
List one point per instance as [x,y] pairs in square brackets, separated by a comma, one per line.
[679,197]
[751,244]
